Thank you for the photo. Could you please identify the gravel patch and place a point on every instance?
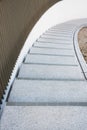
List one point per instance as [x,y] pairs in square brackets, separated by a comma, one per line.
[82,39]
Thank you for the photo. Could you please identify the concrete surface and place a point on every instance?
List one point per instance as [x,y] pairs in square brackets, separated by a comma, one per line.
[44,118]
[51,51]
[41,91]
[46,72]
[55,40]
[50,89]
[50,45]
[51,60]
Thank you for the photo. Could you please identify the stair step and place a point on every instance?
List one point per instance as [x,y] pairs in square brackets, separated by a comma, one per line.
[46,72]
[51,60]
[49,92]
[50,45]
[55,40]
[56,37]
[44,118]
[51,51]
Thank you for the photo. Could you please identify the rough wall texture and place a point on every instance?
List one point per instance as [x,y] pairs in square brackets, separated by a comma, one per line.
[17,17]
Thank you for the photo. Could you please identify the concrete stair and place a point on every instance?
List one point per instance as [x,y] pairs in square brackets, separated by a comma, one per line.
[50,90]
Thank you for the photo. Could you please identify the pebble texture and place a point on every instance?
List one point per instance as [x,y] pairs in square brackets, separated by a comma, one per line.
[50,90]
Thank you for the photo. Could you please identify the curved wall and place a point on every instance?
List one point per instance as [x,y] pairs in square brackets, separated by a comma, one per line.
[17,17]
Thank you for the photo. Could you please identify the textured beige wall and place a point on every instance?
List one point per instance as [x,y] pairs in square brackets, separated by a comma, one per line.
[17,17]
